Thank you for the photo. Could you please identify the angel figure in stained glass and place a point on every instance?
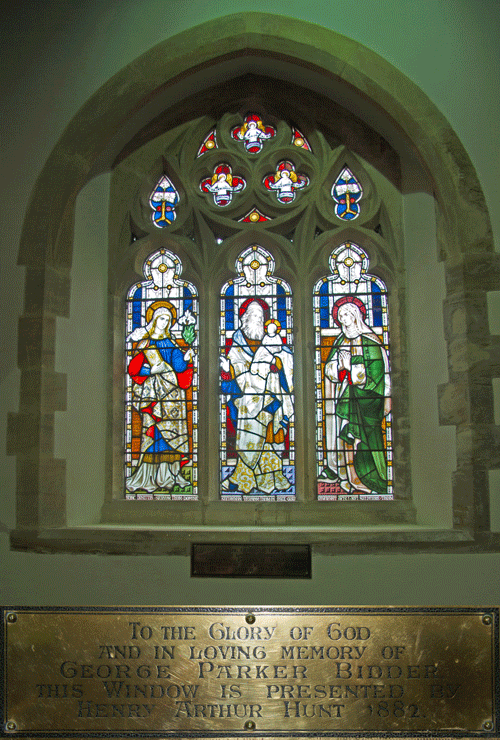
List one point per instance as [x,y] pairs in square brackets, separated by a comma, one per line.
[222,185]
[357,399]
[285,182]
[253,133]
[161,372]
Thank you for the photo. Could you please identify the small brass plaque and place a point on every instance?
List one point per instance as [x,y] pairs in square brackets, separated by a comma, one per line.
[250,561]
[234,672]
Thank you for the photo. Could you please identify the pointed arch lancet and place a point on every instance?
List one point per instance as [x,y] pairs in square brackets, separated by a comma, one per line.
[353,383]
[161,383]
[256,384]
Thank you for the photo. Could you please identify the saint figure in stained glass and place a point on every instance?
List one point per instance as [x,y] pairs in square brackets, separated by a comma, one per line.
[285,182]
[163,200]
[161,386]
[359,391]
[257,452]
[354,441]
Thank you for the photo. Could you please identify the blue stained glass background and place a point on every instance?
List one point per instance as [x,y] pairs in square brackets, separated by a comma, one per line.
[229,308]
[136,309]
[188,300]
[324,313]
[376,305]
[281,305]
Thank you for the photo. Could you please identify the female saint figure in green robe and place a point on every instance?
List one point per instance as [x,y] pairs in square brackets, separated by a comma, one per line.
[357,398]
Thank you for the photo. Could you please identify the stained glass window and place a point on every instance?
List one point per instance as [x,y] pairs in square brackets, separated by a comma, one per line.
[268,197]
[353,387]
[161,387]
[300,140]
[257,396]
[254,216]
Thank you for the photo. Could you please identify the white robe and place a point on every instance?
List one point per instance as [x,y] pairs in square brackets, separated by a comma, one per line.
[259,466]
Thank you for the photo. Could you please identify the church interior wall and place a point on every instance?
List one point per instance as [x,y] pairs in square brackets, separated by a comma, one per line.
[58,57]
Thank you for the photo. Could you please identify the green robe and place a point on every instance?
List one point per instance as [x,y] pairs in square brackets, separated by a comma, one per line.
[361,405]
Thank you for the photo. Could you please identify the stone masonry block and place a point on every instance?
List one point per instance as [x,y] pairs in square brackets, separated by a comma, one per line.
[36,342]
[482,271]
[23,434]
[454,403]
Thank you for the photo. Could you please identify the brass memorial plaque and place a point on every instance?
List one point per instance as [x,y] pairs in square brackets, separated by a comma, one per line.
[268,672]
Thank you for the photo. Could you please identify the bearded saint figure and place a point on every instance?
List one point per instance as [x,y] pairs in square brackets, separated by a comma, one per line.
[161,372]
[260,402]
[357,393]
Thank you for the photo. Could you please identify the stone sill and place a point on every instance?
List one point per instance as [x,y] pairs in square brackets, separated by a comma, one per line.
[176,540]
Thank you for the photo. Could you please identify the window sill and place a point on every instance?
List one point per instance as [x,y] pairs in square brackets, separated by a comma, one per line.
[146,539]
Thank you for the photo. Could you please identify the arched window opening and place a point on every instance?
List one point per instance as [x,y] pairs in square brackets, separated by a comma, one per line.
[316,176]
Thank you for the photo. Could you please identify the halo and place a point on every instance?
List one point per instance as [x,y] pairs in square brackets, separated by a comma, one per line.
[348,299]
[273,321]
[161,304]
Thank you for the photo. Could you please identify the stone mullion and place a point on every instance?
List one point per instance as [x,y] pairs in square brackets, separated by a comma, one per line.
[304,339]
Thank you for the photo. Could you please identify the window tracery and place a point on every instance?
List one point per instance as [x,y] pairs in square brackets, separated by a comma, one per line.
[222,185]
[208,143]
[285,181]
[347,192]
[298,139]
[253,133]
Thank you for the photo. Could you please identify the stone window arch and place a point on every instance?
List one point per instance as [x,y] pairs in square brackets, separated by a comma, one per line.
[404,155]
